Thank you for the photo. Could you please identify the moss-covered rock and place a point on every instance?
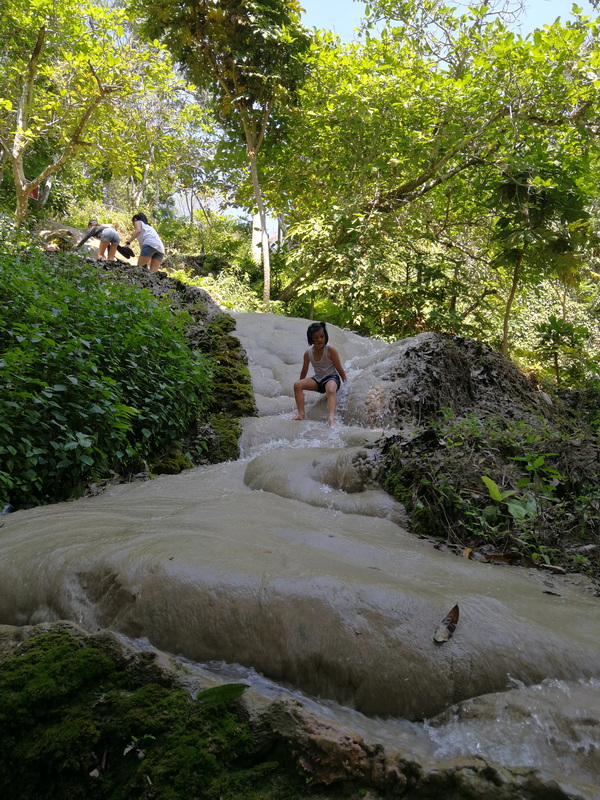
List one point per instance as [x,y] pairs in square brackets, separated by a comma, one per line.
[81,719]
[85,716]
[172,464]
[231,377]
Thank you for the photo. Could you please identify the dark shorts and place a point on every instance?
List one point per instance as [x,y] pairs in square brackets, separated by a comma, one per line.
[321,383]
[155,255]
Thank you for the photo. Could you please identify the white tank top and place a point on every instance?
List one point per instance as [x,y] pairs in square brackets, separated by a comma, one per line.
[324,366]
[150,237]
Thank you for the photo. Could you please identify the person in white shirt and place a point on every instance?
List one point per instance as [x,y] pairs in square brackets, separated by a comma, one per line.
[152,250]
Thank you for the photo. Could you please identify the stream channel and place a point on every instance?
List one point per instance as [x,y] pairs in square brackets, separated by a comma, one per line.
[291,570]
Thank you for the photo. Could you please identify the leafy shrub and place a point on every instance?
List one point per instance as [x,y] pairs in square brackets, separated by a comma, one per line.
[230,289]
[95,376]
[84,211]
[513,483]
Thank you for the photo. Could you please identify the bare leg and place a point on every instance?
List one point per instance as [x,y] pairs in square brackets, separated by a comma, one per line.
[101,249]
[154,265]
[331,392]
[112,250]
[143,260]
[299,387]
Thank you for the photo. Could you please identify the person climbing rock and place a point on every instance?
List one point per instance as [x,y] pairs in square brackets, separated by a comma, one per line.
[329,372]
[152,250]
[108,235]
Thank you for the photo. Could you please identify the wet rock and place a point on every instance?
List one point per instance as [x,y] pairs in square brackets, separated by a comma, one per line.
[415,378]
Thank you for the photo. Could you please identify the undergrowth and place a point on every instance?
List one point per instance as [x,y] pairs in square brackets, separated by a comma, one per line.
[520,485]
[95,376]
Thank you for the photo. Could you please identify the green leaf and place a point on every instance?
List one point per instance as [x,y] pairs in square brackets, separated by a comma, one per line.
[221,694]
[517,510]
[493,489]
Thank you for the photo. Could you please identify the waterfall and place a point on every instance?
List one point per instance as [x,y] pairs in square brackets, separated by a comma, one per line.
[292,568]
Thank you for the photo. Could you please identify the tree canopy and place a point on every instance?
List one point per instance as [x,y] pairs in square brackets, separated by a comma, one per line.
[397,155]
[437,174]
[248,55]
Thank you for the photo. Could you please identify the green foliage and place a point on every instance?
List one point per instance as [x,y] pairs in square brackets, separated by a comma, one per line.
[82,211]
[559,338]
[79,720]
[229,288]
[542,483]
[60,72]
[585,402]
[96,376]
[472,143]
[210,245]
[249,56]
[250,52]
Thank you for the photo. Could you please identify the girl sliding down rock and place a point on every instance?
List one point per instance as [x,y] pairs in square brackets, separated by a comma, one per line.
[328,369]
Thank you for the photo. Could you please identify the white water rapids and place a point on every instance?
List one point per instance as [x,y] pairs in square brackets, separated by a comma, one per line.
[290,563]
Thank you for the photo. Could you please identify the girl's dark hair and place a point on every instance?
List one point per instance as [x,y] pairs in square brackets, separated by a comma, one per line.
[316,326]
[141,217]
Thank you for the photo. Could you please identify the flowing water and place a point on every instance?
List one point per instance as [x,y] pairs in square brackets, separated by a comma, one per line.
[289,568]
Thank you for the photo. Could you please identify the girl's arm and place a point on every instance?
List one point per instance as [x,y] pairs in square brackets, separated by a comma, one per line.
[334,356]
[95,231]
[305,363]
[138,229]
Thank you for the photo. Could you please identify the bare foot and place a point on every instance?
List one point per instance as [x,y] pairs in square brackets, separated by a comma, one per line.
[331,422]
[299,416]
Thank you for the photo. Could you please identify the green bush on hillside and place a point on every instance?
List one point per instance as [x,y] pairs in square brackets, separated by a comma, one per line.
[94,376]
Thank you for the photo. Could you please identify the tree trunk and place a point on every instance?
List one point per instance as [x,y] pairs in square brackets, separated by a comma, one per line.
[256,239]
[138,193]
[20,139]
[203,207]
[510,300]
[281,231]
[23,187]
[21,206]
[45,194]
[263,230]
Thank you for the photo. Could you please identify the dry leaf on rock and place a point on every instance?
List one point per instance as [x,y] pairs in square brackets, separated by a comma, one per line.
[447,626]
[554,568]
[494,558]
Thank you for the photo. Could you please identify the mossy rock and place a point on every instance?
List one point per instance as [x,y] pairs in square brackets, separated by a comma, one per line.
[79,720]
[228,431]
[172,464]
[232,385]
[215,440]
